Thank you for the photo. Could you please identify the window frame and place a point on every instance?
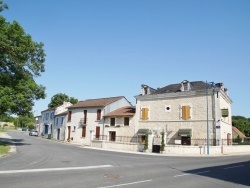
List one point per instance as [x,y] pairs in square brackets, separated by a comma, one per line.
[69,116]
[112,125]
[126,121]
[99,112]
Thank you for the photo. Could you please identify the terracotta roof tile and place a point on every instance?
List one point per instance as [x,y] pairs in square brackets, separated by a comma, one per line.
[102,102]
[124,111]
[238,132]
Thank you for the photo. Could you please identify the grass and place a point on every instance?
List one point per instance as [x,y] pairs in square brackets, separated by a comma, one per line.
[2,130]
[4,148]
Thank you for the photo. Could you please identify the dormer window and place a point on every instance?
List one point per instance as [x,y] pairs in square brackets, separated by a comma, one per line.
[185,85]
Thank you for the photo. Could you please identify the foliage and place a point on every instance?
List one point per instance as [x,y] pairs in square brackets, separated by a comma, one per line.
[59,98]
[243,124]
[4,148]
[162,141]
[146,142]
[25,121]
[3,6]
[21,60]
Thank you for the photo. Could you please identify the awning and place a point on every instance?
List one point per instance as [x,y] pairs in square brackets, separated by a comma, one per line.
[224,112]
[142,131]
[185,132]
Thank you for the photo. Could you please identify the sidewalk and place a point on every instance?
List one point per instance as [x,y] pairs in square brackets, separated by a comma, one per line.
[6,138]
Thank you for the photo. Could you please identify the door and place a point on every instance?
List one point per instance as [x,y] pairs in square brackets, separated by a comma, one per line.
[112,136]
[229,139]
[69,129]
[185,140]
[97,133]
[58,134]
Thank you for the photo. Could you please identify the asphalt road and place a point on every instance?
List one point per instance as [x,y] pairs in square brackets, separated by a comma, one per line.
[45,163]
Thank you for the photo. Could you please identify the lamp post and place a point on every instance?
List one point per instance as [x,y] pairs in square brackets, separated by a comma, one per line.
[207,119]
[208,139]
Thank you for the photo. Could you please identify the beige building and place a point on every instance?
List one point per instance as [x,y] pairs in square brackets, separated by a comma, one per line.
[187,112]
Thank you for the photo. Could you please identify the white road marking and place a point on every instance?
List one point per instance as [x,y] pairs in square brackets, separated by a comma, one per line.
[120,185]
[54,169]
[234,167]
[191,174]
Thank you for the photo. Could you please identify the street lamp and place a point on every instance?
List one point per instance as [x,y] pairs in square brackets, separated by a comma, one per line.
[208,140]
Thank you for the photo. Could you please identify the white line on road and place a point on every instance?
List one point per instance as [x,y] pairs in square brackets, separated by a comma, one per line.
[54,169]
[191,174]
[234,167]
[120,185]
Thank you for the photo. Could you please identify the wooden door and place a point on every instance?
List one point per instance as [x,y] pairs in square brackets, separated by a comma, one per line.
[69,129]
[97,132]
[58,134]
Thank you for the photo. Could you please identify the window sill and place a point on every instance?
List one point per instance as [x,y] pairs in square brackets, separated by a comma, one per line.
[83,137]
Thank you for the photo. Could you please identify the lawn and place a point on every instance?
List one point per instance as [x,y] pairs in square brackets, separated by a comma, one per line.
[4,148]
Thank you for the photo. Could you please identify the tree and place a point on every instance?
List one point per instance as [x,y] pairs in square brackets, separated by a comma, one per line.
[59,98]
[21,60]
[162,141]
[242,123]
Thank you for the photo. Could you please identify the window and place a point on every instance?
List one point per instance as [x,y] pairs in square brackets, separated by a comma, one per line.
[84,131]
[112,136]
[144,113]
[126,121]
[62,118]
[186,112]
[57,121]
[51,115]
[69,115]
[85,117]
[47,116]
[185,86]
[98,114]
[143,139]
[224,112]
[168,108]
[112,121]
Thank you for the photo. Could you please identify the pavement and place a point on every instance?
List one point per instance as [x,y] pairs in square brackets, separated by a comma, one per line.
[6,138]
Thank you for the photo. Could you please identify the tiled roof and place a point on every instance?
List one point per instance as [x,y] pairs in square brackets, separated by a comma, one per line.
[95,102]
[197,85]
[238,132]
[124,111]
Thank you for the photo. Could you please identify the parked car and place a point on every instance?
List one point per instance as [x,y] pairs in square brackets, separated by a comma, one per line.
[33,133]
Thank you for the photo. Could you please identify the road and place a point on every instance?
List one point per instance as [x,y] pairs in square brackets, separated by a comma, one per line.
[45,163]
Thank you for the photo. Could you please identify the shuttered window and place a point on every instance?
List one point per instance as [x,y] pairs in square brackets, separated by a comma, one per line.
[126,121]
[144,113]
[69,115]
[186,112]
[99,114]
[84,131]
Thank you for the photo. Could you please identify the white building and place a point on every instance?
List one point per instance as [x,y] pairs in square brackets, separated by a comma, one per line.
[183,111]
[48,121]
[85,119]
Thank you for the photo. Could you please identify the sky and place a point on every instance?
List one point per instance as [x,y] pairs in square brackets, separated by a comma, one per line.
[108,48]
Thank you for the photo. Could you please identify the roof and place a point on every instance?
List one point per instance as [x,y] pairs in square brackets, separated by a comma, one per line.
[238,132]
[53,108]
[195,86]
[62,113]
[124,111]
[102,102]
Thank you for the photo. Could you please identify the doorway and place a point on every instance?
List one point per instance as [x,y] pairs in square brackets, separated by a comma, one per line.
[69,129]
[58,134]
[97,133]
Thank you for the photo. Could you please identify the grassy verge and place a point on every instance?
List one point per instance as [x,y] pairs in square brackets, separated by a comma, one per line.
[4,148]
[2,130]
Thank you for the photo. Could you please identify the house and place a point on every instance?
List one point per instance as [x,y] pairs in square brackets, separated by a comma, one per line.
[60,126]
[188,113]
[48,120]
[38,124]
[120,123]
[85,119]
[237,133]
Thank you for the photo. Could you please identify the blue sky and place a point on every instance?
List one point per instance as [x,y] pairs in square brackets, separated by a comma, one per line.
[108,48]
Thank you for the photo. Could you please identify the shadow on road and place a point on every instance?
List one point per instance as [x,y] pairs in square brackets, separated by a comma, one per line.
[237,173]
[14,142]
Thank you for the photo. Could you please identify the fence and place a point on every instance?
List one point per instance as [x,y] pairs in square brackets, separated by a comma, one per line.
[124,139]
[176,141]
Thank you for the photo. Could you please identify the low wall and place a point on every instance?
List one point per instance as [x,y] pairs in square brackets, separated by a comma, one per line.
[236,149]
[115,145]
[195,150]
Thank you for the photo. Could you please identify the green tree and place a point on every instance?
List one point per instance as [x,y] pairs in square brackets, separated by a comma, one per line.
[242,123]
[59,98]
[146,142]
[21,60]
